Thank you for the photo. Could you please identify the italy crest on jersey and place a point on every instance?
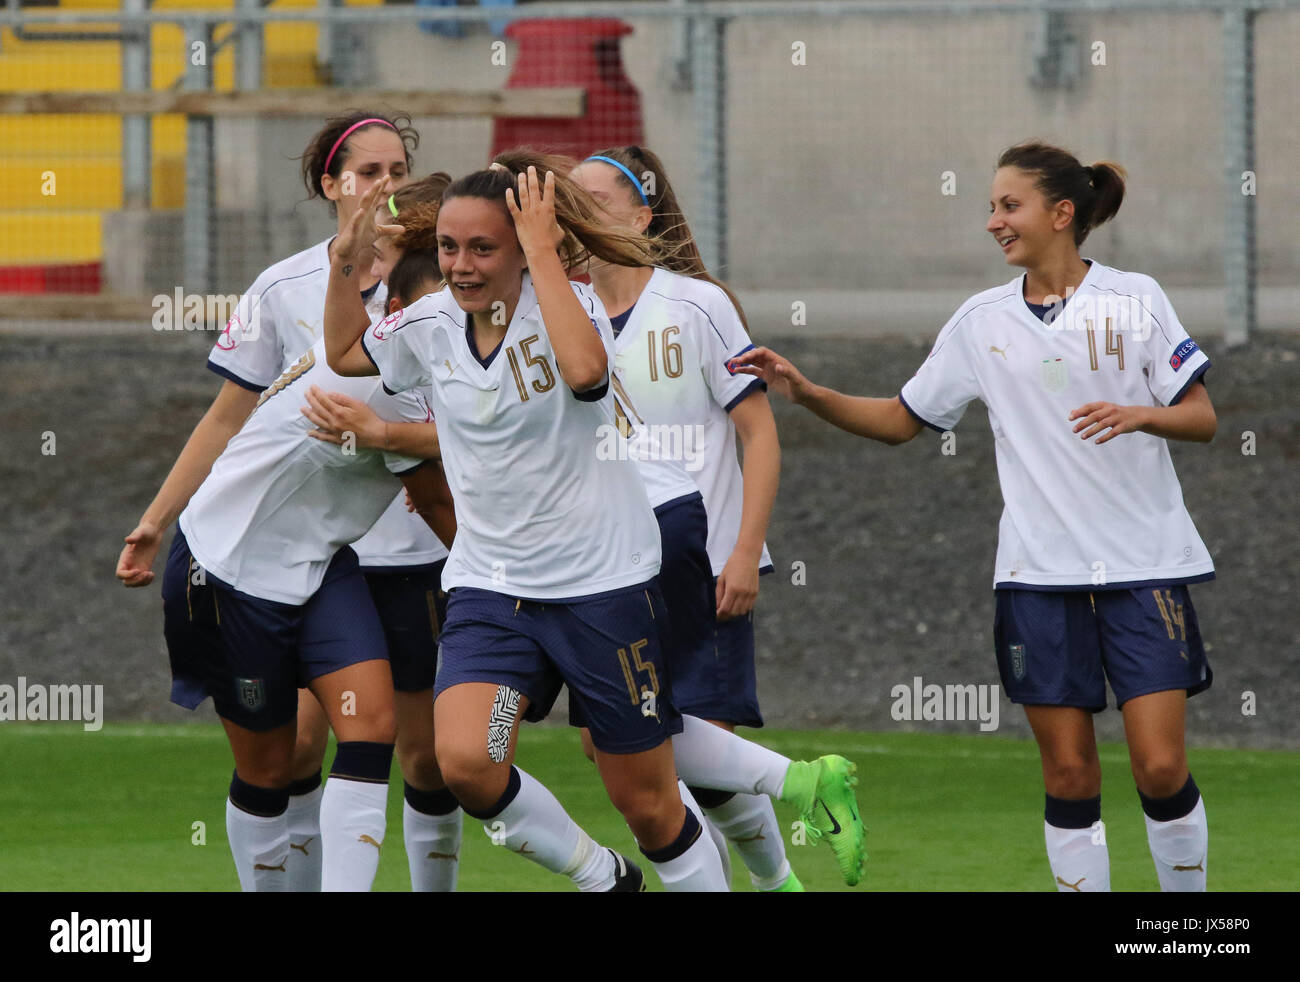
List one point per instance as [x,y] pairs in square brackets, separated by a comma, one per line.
[1055,378]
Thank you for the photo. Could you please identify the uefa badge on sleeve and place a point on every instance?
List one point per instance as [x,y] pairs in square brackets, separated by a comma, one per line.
[1018,662]
[1055,377]
[252,693]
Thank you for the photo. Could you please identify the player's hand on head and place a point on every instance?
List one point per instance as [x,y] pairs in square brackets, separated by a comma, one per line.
[335,415]
[532,207]
[135,564]
[779,373]
[355,242]
[737,588]
[1096,417]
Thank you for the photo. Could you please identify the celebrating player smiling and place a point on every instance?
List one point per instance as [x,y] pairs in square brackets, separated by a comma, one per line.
[551,578]
[1086,372]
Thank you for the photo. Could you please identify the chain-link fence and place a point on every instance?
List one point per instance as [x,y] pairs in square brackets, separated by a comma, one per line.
[833,158]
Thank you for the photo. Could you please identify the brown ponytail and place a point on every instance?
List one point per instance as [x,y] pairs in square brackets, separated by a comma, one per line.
[1096,191]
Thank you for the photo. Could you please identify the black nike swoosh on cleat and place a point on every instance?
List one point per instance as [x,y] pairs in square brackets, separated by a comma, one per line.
[835,826]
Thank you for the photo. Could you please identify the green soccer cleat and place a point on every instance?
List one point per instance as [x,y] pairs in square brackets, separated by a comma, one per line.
[822,790]
[791,885]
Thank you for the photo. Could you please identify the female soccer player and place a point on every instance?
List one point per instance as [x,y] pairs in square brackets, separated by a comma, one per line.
[676,329]
[262,595]
[716,757]
[1095,547]
[552,575]
[278,319]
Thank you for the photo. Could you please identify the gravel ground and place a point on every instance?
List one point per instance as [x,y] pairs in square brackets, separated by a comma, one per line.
[897,544]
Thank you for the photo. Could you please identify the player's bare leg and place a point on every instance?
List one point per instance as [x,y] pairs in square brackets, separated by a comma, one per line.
[303,815]
[255,810]
[643,787]
[1177,832]
[1072,826]
[688,799]
[476,758]
[358,700]
[431,816]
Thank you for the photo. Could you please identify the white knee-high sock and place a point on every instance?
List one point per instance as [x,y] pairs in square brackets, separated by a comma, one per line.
[259,846]
[1076,844]
[707,756]
[750,822]
[535,825]
[1079,857]
[719,840]
[303,820]
[352,824]
[690,863]
[432,847]
[1180,844]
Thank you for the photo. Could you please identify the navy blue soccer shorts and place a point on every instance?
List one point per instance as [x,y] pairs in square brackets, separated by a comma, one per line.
[252,655]
[1059,648]
[711,662]
[412,609]
[606,648]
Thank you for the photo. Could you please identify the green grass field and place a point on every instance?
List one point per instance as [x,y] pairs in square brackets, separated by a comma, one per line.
[115,810]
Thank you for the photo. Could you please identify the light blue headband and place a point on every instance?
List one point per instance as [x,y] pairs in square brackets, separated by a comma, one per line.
[630,176]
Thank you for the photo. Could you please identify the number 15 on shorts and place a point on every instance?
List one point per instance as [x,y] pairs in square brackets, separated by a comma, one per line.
[643,696]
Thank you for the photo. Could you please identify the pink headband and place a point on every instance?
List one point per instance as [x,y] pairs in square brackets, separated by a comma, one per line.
[348,132]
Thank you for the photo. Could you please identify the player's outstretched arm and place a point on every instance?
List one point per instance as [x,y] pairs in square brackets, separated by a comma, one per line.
[427,489]
[579,352]
[336,414]
[886,420]
[345,312]
[223,419]
[1191,418]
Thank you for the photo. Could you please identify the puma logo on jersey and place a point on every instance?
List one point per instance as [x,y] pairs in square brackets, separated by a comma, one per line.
[443,855]
[309,328]
[1199,867]
[302,848]
[366,838]
[1073,886]
[278,869]
[450,368]
[1001,351]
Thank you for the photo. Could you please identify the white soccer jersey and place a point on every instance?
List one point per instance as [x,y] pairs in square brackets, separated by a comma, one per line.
[279,318]
[278,503]
[672,356]
[1076,514]
[659,461]
[539,514]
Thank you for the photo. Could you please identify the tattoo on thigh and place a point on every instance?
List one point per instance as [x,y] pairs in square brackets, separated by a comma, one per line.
[501,722]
